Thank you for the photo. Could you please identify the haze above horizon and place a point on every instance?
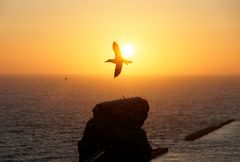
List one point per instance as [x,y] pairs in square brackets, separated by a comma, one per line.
[75,37]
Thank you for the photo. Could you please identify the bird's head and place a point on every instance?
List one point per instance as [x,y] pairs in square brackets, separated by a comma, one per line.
[109,60]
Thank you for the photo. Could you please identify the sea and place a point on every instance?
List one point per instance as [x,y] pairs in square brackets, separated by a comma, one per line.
[42,117]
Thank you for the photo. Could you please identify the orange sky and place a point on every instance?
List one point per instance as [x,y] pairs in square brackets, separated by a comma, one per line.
[75,37]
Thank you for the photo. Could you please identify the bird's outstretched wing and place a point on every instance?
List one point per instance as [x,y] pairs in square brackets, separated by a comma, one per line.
[118,69]
[117,51]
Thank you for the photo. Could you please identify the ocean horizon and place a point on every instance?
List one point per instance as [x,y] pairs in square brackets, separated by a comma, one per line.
[42,117]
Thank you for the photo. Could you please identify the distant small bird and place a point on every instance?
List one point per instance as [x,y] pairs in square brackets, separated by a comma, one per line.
[118,60]
[66,78]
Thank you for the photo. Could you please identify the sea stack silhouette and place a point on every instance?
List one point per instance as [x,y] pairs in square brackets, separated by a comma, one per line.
[114,134]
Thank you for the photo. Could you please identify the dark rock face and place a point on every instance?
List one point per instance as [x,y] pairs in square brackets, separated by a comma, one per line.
[115,134]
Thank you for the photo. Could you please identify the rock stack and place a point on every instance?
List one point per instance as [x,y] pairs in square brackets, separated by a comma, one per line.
[114,134]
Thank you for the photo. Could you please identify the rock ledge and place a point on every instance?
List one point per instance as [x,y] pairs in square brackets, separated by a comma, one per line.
[115,134]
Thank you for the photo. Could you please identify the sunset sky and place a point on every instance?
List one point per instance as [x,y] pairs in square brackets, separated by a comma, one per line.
[75,36]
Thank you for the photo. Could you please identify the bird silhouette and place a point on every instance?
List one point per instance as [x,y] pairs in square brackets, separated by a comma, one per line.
[118,60]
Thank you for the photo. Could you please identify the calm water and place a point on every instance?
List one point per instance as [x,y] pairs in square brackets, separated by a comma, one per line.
[43,117]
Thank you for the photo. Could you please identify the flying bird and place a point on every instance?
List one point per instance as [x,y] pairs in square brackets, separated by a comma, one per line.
[118,60]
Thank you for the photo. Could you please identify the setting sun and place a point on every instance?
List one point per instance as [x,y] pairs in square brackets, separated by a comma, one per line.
[127,50]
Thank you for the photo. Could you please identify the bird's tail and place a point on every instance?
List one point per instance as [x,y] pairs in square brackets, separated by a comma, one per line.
[127,61]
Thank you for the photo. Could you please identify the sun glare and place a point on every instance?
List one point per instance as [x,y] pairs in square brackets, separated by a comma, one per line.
[127,51]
